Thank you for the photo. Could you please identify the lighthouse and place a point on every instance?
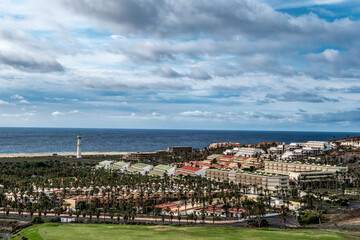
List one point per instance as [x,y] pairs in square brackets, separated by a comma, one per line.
[78,155]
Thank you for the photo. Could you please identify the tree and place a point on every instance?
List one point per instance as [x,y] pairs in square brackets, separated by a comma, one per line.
[283,215]
[259,210]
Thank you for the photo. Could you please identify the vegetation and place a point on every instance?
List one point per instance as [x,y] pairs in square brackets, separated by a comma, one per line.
[311,218]
[27,181]
[108,232]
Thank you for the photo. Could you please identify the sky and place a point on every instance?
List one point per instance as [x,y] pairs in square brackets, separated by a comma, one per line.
[181,64]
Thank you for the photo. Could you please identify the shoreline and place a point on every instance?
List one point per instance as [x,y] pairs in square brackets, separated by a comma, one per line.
[11,155]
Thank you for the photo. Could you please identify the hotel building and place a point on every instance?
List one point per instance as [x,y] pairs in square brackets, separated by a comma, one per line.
[265,180]
[285,167]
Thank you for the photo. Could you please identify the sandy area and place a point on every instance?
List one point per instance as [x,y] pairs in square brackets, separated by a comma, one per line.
[61,154]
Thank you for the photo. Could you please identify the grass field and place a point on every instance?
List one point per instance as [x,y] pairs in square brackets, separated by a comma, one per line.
[52,231]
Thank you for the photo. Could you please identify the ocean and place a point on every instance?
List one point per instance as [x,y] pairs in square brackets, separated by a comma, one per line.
[60,140]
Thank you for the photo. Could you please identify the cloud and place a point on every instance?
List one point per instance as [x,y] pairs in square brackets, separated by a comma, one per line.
[57,113]
[2,102]
[136,84]
[263,115]
[18,115]
[117,37]
[200,74]
[21,51]
[30,64]
[167,72]
[24,101]
[17,96]
[171,18]
[298,96]
[74,111]
[333,117]
[352,89]
[196,113]
[328,55]
[279,4]
[183,61]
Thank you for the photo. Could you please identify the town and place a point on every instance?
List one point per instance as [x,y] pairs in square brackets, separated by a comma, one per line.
[225,183]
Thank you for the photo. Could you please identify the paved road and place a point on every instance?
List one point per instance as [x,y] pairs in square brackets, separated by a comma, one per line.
[274,222]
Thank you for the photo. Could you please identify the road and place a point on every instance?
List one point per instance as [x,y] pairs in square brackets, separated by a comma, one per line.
[274,221]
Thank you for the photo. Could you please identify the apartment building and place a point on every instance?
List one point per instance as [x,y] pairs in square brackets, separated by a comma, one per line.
[141,156]
[249,152]
[179,149]
[122,166]
[141,168]
[105,164]
[277,150]
[310,176]
[192,171]
[248,162]
[285,167]
[268,181]
[214,156]
[161,170]
[224,145]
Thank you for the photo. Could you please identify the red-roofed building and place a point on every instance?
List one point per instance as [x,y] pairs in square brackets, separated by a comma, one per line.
[218,211]
[226,158]
[192,171]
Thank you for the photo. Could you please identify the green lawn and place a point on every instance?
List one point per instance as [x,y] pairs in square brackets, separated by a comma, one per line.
[52,231]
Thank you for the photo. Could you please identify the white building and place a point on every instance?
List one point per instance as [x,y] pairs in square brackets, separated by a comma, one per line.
[277,150]
[122,166]
[141,168]
[351,143]
[67,219]
[297,151]
[105,164]
[248,152]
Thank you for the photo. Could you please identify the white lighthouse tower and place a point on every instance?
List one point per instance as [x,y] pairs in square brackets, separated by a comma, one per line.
[78,155]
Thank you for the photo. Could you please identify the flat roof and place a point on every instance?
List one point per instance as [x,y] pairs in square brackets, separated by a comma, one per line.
[121,163]
[140,165]
[251,173]
[165,167]
[298,162]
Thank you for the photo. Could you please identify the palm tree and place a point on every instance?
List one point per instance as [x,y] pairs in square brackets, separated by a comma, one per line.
[283,215]
[98,213]
[179,215]
[213,210]
[171,217]
[259,210]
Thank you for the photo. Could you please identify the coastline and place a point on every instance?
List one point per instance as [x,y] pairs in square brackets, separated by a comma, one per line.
[12,155]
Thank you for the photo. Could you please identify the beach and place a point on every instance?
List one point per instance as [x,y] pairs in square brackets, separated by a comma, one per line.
[62,154]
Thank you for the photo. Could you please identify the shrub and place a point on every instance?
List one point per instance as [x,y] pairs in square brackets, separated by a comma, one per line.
[37,220]
[310,218]
[254,223]
[57,219]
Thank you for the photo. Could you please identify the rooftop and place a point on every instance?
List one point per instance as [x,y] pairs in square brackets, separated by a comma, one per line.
[164,167]
[251,173]
[190,168]
[298,162]
[120,163]
[142,165]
